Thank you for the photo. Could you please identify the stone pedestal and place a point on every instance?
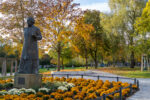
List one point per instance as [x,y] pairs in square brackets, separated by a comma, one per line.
[27,80]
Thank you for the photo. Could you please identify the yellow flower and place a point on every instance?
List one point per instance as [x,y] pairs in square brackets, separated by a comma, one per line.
[46,97]
[75,90]
[78,97]
[134,86]
[60,91]
[23,95]
[92,96]
[58,96]
[31,96]
[116,95]
[68,98]
[68,94]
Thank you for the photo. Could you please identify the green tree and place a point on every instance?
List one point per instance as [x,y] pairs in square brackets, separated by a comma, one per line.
[128,11]
[66,55]
[45,60]
[114,40]
[95,42]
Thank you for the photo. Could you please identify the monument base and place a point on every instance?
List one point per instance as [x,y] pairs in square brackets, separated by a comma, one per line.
[27,80]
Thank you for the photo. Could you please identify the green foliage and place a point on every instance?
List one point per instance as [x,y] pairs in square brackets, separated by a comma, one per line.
[45,60]
[73,63]
[96,40]
[1,87]
[2,54]
[120,30]
[8,85]
[143,28]
[143,22]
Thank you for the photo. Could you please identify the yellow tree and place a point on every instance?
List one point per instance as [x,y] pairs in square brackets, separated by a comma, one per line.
[14,14]
[80,38]
[53,17]
[60,16]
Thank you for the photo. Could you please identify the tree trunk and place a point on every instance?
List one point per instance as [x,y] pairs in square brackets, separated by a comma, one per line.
[114,62]
[62,63]
[4,68]
[58,62]
[16,66]
[148,63]
[142,63]
[11,71]
[86,62]
[96,64]
[132,60]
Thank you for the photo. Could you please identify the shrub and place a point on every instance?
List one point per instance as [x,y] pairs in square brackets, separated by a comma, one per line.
[1,87]
[8,85]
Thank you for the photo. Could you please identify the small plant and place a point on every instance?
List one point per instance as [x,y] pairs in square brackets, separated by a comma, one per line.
[8,85]
[44,90]
[15,92]
[63,88]
[30,91]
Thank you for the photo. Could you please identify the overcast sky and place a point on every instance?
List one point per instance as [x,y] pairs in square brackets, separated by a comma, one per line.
[101,5]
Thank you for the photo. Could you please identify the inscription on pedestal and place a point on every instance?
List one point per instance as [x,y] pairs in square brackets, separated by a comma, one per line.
[21,80]
[28,81]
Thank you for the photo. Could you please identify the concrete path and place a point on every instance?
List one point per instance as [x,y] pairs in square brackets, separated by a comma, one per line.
[144,93]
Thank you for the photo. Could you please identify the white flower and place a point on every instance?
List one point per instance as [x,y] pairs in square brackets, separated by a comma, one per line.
[44,90]
[65,83]
[30,91]
[15,92]
[70,85]
[3,92]
[62,88]
[23,89]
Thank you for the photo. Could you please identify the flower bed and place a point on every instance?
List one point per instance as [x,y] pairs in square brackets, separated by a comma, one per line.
[67,89]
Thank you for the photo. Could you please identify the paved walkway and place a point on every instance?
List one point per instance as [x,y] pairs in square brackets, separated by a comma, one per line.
[142,94]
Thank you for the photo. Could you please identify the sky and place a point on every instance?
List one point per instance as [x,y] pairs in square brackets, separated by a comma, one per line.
[101,5]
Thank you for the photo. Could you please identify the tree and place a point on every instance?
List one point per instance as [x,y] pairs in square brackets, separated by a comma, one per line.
[142,27]
[6,49]
[127,12]
[80,38]
[66,55]
[53,17]
[95,42]
[114,40]
[14,14]
[45,60]
[58,24]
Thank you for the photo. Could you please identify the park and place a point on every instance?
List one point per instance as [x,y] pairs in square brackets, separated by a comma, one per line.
[74,49]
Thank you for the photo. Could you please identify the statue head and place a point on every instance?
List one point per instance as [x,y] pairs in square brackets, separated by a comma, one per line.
[30,21]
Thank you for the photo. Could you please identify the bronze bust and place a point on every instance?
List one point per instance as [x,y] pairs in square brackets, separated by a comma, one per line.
[29,59]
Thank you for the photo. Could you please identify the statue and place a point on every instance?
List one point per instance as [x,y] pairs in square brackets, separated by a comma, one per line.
[29,61]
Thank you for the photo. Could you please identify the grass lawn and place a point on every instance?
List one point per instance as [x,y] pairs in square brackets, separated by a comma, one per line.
[126,71]
[48,71]
[6,77]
